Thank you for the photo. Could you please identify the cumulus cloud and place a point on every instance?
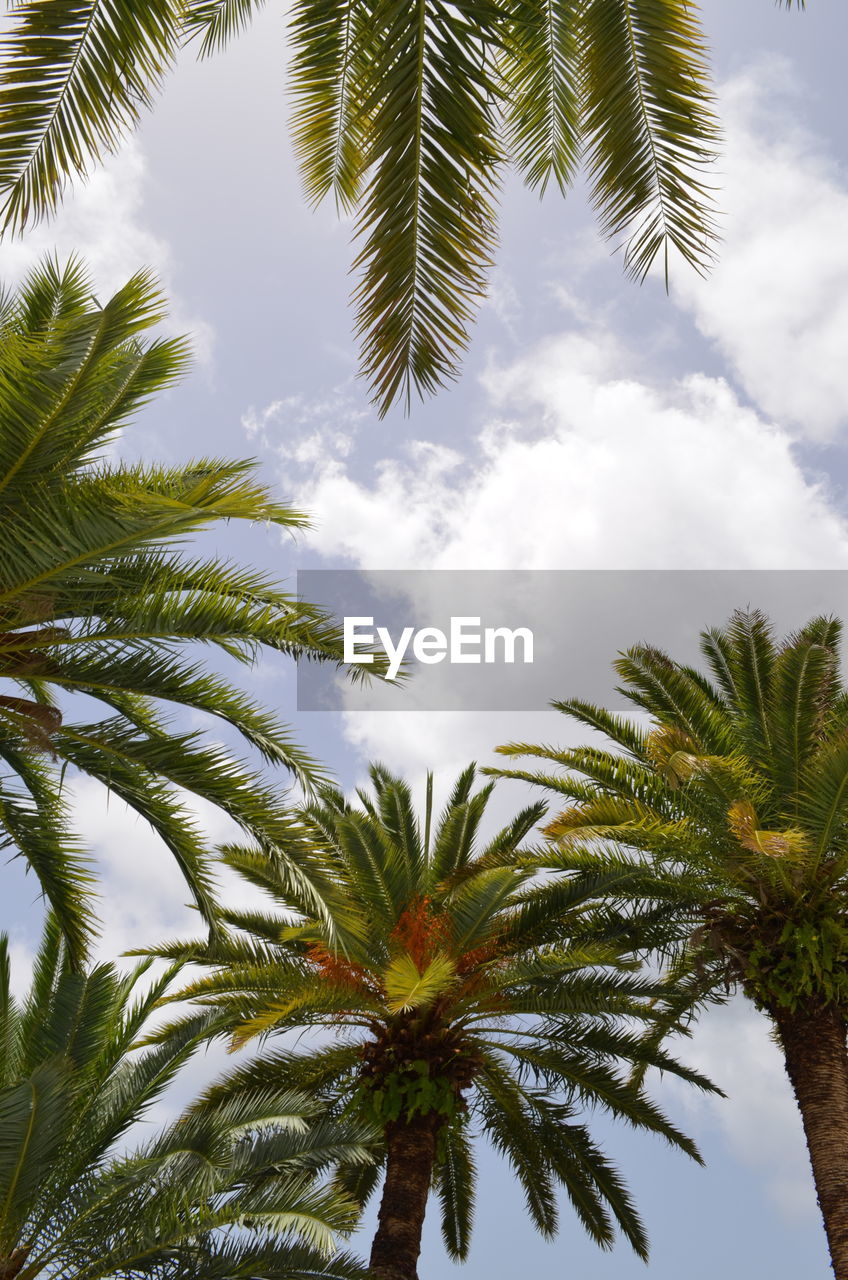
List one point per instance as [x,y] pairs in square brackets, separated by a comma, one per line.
[444,742]
[776,304]
[584,464]
[103,222]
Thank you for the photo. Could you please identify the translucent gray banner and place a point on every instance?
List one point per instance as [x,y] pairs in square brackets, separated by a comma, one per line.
[515,640]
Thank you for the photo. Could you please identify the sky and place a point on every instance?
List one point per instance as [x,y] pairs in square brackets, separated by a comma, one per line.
[597,425]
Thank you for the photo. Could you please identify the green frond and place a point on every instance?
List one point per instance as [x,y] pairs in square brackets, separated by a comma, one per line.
[329,86]
[407,988]
[37,829]
[649,129]
[407,113]
[716,843]
[97,598]
[630,737]
[753,653]
[823,798]
[397,817]
[475,906]
[425,225]
[373,864]
[455,836]
[75,78]
[594,1187]
[508,1115]
[216,22]
[542,90]
[311,1073]
[104,752]
[805,683]
[456,1179]
[246,1174]
[675,696]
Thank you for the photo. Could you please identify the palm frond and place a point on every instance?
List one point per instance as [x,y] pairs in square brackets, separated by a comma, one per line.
[75,79]
[97,597]
[244,1176]
[329,77]
[542,91]
[426,223]
[476,999]
[455,1184]
[216,22]
[649,129]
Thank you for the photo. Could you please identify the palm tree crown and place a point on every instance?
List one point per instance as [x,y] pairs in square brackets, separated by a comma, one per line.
[456,1002]
[231,1188]
[735,793]
[97,597]
[719,831]
[408,112]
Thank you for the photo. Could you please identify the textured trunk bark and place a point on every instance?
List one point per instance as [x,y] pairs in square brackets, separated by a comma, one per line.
[816,1059]
[410,1156]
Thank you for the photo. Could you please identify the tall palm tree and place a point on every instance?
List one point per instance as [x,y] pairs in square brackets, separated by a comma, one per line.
[232,1188]
[97,597]
[720,828]
[450,1003]
[408,112]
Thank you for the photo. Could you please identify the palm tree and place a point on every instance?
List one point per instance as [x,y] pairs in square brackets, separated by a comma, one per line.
[230,1189]
[719,830]
[408,112]
[450,1002]
[97,598]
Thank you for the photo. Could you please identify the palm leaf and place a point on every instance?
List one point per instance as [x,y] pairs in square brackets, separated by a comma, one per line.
[541,90]
[486,1001]
[407,988]
[216,22]
[32,1114]
[76,76]
[97,598]
[649,128]
[455,1184]
[426,224]
[329,76]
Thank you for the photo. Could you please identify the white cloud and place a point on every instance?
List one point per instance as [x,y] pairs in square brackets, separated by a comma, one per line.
[504,301]
[103,222]
[303,430]
[446,742]
[21,961]
[776,305]
[584,464]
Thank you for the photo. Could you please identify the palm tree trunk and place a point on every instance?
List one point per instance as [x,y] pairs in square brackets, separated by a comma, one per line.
[410,1156]
[816,1057]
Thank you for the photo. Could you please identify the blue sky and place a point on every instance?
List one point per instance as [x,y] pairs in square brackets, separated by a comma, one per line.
[596,425]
